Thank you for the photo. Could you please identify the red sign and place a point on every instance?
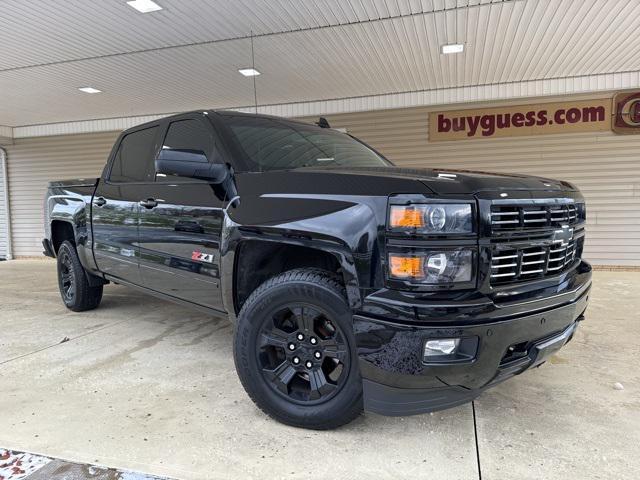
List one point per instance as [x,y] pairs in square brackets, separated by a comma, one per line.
[570,116]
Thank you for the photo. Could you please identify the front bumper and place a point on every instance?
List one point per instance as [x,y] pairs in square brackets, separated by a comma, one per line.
[397,382]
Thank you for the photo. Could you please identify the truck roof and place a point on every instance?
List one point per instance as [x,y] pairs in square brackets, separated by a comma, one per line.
[222,113]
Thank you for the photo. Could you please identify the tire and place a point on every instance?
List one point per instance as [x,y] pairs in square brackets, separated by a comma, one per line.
[76,293]
[306,308]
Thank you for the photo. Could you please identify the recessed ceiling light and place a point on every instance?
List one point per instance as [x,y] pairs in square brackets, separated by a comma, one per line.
[144,6]
[89,90]
[249,72]
[453,48]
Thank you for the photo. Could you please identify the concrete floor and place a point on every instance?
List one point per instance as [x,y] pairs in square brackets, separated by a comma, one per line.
[146,385]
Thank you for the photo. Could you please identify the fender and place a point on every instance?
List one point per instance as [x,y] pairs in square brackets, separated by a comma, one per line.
[72,208]
[347,231]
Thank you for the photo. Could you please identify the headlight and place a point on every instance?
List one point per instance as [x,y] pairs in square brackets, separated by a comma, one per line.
[432,218]
[433,267]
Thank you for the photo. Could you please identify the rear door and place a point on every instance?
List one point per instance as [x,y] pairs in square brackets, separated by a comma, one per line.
[180,226]
[115,209]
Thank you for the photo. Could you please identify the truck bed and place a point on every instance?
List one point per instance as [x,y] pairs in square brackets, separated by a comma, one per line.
[74,182]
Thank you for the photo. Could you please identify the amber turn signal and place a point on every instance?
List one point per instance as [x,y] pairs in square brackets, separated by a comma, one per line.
[406,267]
[406,217]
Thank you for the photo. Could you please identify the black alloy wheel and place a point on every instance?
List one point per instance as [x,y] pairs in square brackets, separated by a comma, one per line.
[67,280]
[303,354]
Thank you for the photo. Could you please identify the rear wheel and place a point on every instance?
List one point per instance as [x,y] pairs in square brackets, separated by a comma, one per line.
[76,293]
[295,352]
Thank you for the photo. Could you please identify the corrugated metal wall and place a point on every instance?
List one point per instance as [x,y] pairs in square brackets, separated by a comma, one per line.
[605,166]
[35,161]
[3,218]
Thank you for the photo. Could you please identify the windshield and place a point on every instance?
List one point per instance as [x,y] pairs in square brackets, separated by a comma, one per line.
[271,144]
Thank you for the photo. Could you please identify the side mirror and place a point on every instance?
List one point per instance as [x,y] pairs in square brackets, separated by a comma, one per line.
[190,164]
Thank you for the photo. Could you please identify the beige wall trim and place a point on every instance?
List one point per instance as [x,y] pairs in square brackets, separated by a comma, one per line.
[616,268]
[33,257]
[83,126]
[444,96]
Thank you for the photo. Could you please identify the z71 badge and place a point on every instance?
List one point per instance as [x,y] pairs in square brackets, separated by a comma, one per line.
[202,257]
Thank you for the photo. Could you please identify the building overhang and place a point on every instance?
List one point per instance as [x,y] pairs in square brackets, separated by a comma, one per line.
[583,86]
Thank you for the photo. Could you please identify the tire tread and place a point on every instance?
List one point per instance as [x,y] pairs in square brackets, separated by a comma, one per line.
[86,297]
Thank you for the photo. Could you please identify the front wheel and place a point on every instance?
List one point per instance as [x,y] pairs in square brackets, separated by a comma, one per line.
[75,290]
[294,351]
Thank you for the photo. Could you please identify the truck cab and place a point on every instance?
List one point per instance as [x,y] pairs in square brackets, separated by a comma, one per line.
[351,283]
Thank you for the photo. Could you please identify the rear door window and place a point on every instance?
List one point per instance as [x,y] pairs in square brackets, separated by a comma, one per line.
[133,161]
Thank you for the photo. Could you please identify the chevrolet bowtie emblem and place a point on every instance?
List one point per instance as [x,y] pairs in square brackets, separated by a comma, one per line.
[563,235]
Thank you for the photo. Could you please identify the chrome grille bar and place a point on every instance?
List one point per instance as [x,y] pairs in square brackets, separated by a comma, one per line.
[522,217]
[509,263]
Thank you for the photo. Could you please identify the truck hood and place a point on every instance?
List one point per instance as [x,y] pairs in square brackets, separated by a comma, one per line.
[280,197]
[443,181]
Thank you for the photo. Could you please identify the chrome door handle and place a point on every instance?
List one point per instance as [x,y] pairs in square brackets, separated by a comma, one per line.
[100,202]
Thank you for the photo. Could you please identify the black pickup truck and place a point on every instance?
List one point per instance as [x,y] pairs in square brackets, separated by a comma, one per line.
[351,283]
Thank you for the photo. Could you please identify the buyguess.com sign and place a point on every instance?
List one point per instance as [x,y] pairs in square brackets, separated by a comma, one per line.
[539,119]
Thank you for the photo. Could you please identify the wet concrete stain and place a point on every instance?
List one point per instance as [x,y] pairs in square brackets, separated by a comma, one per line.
[183,327]
[219,325]
[127,354]
[557,359]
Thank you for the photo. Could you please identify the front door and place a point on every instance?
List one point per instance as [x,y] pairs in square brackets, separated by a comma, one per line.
[115,208]
[181,222]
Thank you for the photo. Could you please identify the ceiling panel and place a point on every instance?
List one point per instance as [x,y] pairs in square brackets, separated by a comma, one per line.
[43,31]
[187,58]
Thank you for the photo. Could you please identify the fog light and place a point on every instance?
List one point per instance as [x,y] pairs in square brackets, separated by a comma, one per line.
[441,347]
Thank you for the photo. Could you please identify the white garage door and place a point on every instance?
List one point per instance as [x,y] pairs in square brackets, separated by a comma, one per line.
[32,163]
[3,216]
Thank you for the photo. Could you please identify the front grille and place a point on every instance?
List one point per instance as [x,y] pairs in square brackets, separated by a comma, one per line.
[511,264]
[524,217]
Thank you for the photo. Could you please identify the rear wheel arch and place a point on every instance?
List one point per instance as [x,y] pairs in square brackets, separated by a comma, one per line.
[61,230]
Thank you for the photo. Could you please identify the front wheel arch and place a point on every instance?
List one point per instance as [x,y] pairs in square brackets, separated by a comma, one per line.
[253,261]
